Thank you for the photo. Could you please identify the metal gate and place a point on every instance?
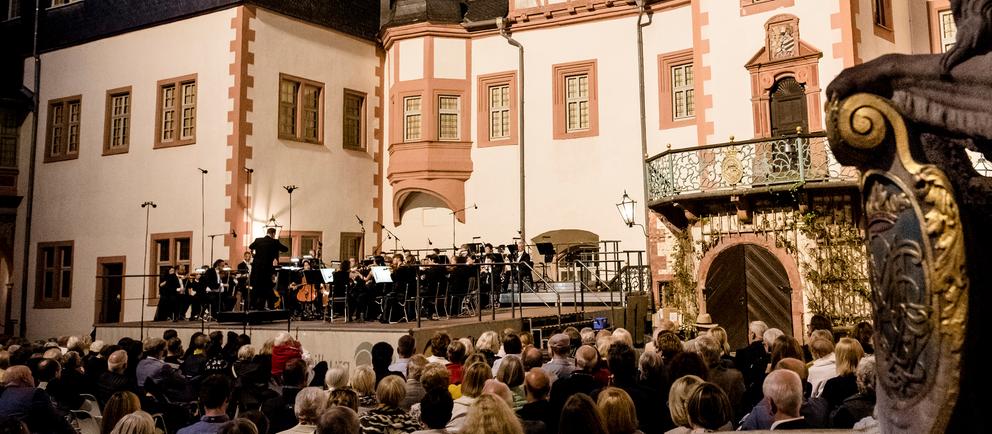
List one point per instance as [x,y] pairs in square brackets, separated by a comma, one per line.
[748,283]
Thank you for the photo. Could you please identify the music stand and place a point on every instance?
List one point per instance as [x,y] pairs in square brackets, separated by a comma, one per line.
[547,250]
[327,274]
[382,274]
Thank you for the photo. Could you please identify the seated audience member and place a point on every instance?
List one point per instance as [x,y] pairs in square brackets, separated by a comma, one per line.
[153,374]
[434,376]
[382,356]
[114,379]
[138,422]
[174,351]
[193,365]
[284,349]
[258,418]
[654,381]
[456,357]
[580,415]
[784,391]
[215,393]
[813,410]
[816,322]
[623,366]
[784,347]
[48,369]
[511,373]
[848,352]
[678,397]
[669,345]
[414,388]
[405,348]
[688,363]
[752,361]
[118,405]
[281,409]
[388,417]
[709,409]
[67,387]
[824,366]
[363,382]
[863,333]
[488,345]
[435,411]
[720,334]
[474,380]
[310,404]
[496,388]
[336,378]
[533,358]
[860,405]
[582,380]
[561,364]
[537,386]
[729,379]
[439,348]
[618,411]
[345,397]
[491,415]
[339,420]
[512,348]
[240,426]
[21,400]
[768,338]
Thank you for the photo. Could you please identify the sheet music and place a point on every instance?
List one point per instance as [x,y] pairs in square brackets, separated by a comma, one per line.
[382,274]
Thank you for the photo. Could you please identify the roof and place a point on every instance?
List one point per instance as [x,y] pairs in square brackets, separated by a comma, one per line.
[405,12]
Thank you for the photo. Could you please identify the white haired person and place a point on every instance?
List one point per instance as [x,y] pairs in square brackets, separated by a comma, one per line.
[784,391]
[309,405]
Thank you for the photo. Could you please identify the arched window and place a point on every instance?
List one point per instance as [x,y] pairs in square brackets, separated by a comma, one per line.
[788,107]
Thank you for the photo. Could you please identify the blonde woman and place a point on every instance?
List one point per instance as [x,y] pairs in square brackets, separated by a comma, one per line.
[618,411]
[622,335]
[119,405]
[720,334]
[490,415]
[388,417]
[138,422]
[511,373]
[847,353]
[488,345]
[336,378]
[363,381]
[678,395]
[474,379]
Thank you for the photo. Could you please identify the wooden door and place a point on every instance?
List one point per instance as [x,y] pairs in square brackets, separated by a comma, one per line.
[726,294]
[111,287]
[788,107]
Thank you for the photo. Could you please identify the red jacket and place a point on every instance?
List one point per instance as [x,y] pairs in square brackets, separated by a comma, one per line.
[456,372]
[282,354]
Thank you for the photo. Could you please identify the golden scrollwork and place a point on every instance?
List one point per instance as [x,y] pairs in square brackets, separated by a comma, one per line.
[860,123]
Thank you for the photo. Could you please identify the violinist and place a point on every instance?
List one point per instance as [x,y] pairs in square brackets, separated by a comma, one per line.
[490,275]
[214,286]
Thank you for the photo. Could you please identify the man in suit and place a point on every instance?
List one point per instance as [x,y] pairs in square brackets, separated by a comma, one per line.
[752,361]
[215,286]
[523,273]
[153,373]
[266,255]
[784,391]
[244,270]
[168,302]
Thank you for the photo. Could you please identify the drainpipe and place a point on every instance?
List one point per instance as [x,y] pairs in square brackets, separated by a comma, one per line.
[501,24]
[29,208]
[641,12]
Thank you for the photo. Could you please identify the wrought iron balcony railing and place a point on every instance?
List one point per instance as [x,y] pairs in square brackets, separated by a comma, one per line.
[732,167]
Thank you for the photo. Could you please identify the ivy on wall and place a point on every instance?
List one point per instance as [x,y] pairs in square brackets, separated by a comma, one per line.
[835,269]
[681,293]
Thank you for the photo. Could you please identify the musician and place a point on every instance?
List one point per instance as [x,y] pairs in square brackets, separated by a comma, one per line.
[192,293]
[300,292]
[263,263]
[215,287]
[490,275]
[168,293]
[439,258]
[359,295]
[244,270]
[183,295]
[522,273]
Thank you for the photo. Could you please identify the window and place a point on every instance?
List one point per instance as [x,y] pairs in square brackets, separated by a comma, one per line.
[300,107]
[947,30]
[176,119]
[302,243]
[63,129]
[8,138]
[117,127]
[882,17]
[751,7]
[57,3]
[683,105]
[354,120]
[411,118]
[447,117]
[13,9]
[53,286]
[575,105]
[351,246]
[497,120]
[168,250]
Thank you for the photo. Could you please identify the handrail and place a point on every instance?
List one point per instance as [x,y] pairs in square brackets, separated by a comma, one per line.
[741,142]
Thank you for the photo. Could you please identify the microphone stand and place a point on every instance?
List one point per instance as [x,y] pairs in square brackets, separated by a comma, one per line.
[453,219]
[396,239]
[362,224]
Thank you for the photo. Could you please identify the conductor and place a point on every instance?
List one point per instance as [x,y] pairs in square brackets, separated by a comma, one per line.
[267,251]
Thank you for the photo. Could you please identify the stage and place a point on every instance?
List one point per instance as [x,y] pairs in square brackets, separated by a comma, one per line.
[348,344]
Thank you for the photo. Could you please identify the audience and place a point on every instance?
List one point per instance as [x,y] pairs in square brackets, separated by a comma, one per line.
[835,390]
[339,420]
[537,387]
[860,405]
[214,395]
[511,373]
[456,357]
[824,366]
[678,397]
[580,415]
[512,347]
[730,380]
[561,364]
[138,422]
[491,415]
[119,405]
[475,379]
[784,391]
[405,348]
[281,409]
[363,381]
[414,388]
[310,404]
[23,401]
[435,411]
[618,411]
[388,417]
[709,409]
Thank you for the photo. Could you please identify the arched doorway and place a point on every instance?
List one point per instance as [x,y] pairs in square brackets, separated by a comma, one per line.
[744,283]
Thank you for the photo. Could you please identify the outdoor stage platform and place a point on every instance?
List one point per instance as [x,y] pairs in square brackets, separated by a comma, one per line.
[349,344]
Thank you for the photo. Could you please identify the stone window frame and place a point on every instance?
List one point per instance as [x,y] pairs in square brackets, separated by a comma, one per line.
[64,104]
[57,301]
[882,22]
[160,86]
[485,82]
[456,112]
[935,8]
[298,124]
[362,137]
[109,119]
[560,72]
[666,61]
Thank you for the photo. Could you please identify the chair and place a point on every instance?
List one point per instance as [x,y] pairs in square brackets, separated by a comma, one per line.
[85,423]
[90,405]
[338,298]
[441,294]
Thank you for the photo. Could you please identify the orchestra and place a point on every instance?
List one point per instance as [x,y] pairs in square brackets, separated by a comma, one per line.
[366,290]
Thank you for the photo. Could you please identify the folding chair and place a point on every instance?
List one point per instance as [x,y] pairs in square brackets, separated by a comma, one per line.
[441,294]
[90,405]
[85,423]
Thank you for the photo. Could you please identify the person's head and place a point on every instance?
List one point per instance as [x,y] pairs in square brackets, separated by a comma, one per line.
[474,379]
[537,385]
[756,331]
[821,334]
[652,369]
[295,373]
[247,256]
[587,336]
[346,397]
[720,334]
[382,356]
[580,414]
[618,411]
[138,422]
[560,345]
[784,391]
[475,358]
[821,348]
[391,391]
[439,344]
[678,396]
[456,352]
[18,376]
[709,348]
[119,405]
[154,347]
[622,335]
[415,367]
[511,372]
[769,336]
[246,353]
[48,370]
[238,426]
[117,362]
[586,357]
[622,363]
[174,346]
[848,352]
[218,264]
[270,232]
[866,375]
[511,344]
[527,339]
[215,392]
[794,365]
[436,408]
[406,346]
[435,376]
[669,344]
[863,332]
[785,346]
[488,341]
[258,418]
[363,380]
[688,363]
[497,388]
[820,322]
[338,420]
[532,358]
[708,407]
[310,403]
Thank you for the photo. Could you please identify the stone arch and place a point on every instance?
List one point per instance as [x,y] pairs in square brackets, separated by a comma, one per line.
[449,192]
[787,261]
